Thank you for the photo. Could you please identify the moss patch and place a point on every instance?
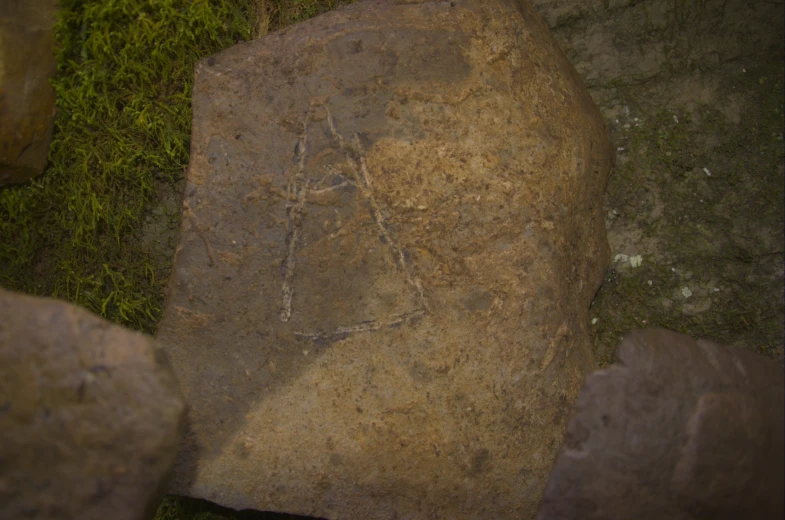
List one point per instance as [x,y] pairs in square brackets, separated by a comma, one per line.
[125,71]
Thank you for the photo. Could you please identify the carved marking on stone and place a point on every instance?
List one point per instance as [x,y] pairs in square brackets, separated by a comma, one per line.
[191,216]
[304,190]
[299,190]
[358,155]
[555,346]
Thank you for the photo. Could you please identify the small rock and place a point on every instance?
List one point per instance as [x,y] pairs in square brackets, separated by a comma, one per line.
[677,426]
[90,414]
[697,306]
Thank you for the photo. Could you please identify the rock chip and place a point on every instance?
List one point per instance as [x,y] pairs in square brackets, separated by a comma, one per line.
[27,99]
[392,232]
[90,414]
[679,429]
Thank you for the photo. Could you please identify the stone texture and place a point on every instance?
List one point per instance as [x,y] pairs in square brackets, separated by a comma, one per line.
[679,429]
[27,99]
[392,232]
[90,415]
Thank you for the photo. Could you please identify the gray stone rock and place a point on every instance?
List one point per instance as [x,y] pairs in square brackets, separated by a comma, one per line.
[90,415]
[392,232]
[27,99]
[679,429]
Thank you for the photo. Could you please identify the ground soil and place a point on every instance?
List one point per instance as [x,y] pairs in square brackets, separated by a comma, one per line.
[692,92]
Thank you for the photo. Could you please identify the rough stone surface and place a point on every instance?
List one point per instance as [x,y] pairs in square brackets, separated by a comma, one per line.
[27,99]
[392,232]
[90,415]
[679,429]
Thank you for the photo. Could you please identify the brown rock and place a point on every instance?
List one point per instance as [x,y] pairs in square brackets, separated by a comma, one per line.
[90,414]
[27,99]
[391,236]
[680,429]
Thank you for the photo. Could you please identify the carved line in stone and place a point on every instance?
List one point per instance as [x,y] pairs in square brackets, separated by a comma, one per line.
[366,326]
[357,154]
[298,192]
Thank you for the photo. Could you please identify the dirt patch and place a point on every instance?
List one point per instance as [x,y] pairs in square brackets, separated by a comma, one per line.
[693,96]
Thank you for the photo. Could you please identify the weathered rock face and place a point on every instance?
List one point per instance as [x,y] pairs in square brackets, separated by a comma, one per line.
[392,232]
[680,429]
[27,100]
[90,414]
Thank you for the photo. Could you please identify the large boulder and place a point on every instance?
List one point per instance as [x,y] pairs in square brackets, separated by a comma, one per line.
[90,415]
[27,99]
[679,429]
[392,232]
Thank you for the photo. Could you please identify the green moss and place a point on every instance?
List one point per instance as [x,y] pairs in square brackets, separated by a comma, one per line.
[124,78]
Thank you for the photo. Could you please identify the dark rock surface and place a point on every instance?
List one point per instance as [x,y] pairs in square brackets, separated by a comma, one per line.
[679,429]
[392,232]
[90,415]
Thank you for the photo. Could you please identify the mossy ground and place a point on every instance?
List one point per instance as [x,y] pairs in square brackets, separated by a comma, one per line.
[699,192]
[692,93]
[125,71]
